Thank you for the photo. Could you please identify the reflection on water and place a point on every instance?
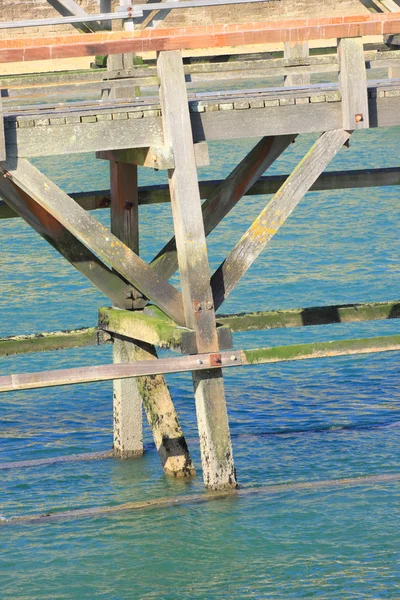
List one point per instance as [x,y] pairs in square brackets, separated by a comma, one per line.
[293,422]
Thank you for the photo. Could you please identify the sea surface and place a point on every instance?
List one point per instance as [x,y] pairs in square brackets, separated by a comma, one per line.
[308,421]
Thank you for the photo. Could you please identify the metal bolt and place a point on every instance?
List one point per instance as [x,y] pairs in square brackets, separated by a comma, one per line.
[233,357]
[359,118]
[199,362]
[209,305]
[197,306]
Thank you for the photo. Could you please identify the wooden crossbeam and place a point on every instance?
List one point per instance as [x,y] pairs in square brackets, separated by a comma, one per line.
[156,194]
[275,214]
[157,330]
[227,194]
[198,362]
[53,340]
[152,326]
[96,237]
[272,319]
[230,34]
[85,261]
[318,315]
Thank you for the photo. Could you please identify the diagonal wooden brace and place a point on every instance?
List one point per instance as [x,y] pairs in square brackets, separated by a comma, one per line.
[275,214]
[95,236]
[108,282]
[221,201]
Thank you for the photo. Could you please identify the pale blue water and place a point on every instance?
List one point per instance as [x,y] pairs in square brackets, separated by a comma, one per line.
[293,422]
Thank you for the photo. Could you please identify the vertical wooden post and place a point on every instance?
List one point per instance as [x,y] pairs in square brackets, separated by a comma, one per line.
[215,443]
[299,52]
[152,391]
[353,83]
[105,7]
[127,405]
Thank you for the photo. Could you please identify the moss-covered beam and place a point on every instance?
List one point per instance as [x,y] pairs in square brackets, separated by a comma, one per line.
[320,350]
[156,329]
[319,315]
[57,340]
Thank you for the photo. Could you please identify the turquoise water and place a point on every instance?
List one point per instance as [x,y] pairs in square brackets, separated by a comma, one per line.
[306,421]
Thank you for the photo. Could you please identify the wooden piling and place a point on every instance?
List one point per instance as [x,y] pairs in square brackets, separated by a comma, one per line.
[151,391]
[212,419]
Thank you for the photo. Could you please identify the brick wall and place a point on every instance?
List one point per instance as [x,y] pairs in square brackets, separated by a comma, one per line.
[11,10]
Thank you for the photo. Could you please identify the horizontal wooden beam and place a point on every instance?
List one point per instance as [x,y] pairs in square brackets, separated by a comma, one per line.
[56,340]
[154,327]
[156,194]
[198,362]
[319,315]
[274,319]
[231,34]
[157,330]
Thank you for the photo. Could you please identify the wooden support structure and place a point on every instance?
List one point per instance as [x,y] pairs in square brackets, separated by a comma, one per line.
[353,83]
[275,214]
[156,194]
[164,335]
[96,237]
[127,401]
[86,262]
[171,132]
[151,391]
[226,195]
[212,418]
[298,52]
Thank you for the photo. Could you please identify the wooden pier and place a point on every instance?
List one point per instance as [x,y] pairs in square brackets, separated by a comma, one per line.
[168,127]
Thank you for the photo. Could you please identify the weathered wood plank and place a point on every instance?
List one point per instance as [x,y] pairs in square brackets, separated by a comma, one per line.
[155,194]
[319,315]
[96,237]
[156,157]
[207,126]
[54,340]
[151,392]
[127,400]
[212,418]
[353,83]
[275,214]
[222,199]
[155,330]
[297,52]
[233,358]
[87,263]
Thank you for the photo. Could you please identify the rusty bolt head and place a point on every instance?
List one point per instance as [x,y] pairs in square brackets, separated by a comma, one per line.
[359,118]
[215,359]
[209,305]
[197,306]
